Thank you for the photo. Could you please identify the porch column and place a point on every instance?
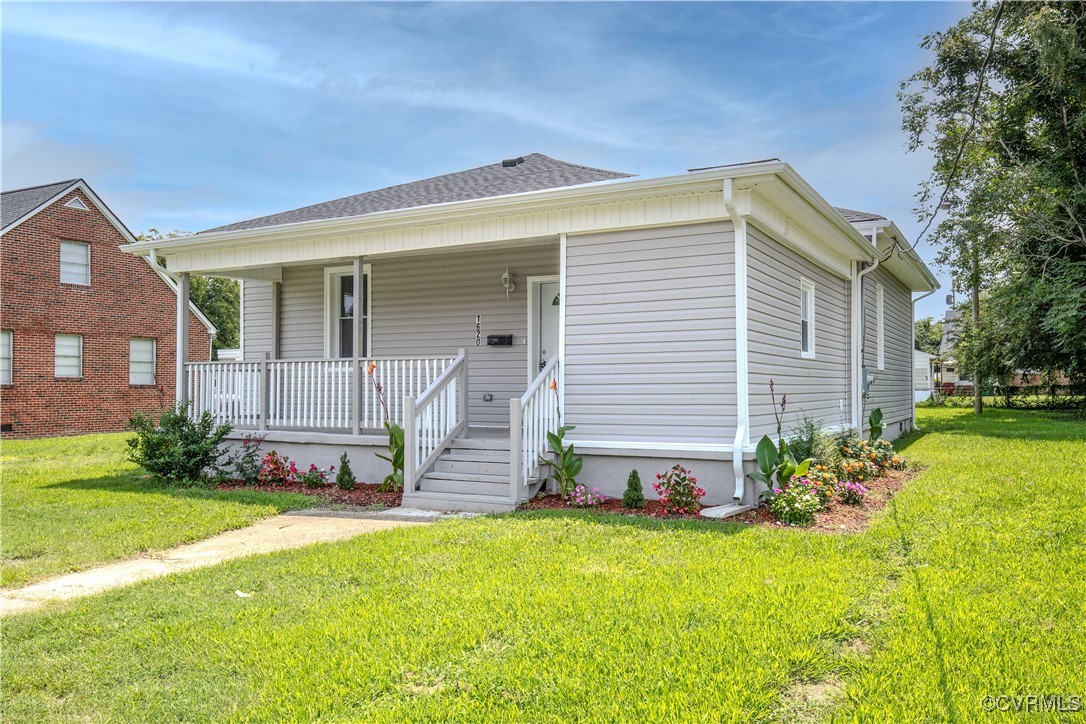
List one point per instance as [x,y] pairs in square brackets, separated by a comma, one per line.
[182,335]
[358,376]
[276,290]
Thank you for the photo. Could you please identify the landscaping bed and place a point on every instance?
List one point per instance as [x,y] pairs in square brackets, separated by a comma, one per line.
[364,495]
[612,505]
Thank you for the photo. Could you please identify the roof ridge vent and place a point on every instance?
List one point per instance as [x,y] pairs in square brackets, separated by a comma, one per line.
[511,162]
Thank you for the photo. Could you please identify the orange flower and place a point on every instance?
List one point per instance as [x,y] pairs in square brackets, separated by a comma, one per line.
[554,385]
[373,366]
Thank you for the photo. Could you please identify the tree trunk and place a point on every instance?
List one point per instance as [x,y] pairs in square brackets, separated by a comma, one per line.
[978,392]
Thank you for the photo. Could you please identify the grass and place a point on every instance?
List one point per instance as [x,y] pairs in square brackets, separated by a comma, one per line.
[73,502]
[971,583]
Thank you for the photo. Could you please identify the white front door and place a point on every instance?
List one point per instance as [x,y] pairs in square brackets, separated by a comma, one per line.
[549,309]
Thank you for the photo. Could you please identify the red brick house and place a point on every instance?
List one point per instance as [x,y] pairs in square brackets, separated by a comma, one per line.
[87,332]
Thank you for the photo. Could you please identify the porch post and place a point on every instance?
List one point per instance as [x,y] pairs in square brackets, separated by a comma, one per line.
[462,391]
[276,291]
[265,384]
[514,450]
[357,377]
[181,387]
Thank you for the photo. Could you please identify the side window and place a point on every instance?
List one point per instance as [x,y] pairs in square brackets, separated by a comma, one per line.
[74,263]
[5,356]
[68,361]
[141,361]
[806,318]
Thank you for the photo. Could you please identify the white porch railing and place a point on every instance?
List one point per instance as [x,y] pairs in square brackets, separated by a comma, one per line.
[438,415]
[333,395]
[530,419]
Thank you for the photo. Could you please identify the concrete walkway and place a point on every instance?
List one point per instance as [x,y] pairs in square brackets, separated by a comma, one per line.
[290,530]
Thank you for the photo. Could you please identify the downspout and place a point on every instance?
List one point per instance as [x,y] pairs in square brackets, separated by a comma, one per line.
[742,377]
[912,354]
[858,333]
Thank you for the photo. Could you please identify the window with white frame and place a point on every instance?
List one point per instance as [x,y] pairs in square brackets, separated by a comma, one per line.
[74,263]
[880,332]
[5,356]
[806,318]
[68,359]
[340,300]
[141,361]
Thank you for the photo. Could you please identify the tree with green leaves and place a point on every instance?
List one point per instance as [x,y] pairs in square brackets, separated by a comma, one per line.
[219,299]
[928,335]
[1002,108]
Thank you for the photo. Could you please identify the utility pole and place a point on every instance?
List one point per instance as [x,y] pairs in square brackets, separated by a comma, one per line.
[978,398]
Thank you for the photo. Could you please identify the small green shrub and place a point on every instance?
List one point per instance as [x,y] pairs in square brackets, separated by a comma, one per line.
[679,492]
[178,450]
[809,440]
[345,479]
[633,497]
[566,464]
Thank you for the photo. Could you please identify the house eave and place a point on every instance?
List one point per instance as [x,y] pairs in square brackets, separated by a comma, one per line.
[604,191]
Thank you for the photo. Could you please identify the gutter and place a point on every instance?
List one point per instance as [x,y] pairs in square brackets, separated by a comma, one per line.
[742,372]
[858,334]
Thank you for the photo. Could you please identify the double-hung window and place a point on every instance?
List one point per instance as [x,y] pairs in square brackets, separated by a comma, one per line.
[880,333]
[74,263]
[5,356]
[806,318]
[340,303]
[68,358]
[141,361]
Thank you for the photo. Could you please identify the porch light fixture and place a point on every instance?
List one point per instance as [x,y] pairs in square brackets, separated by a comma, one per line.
[557,300]
[508,283]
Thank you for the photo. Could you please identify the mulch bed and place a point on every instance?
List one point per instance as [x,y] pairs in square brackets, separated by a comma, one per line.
[364,494]
[839,518]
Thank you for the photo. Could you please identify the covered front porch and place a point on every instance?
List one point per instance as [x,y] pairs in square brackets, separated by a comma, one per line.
[448,345]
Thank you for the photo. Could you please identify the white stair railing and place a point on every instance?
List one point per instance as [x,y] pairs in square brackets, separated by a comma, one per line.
[530,419]
[433,419]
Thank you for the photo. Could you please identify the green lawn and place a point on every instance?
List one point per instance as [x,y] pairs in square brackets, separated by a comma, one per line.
[71,502]
[972,583]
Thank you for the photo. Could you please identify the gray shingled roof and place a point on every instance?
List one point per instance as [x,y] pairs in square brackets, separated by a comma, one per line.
[534,172]
[855,216]
[17,203]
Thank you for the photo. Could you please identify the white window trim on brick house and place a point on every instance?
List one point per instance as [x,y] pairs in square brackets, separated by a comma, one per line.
[64,370]
[142,355]
[75,258]
[7,356]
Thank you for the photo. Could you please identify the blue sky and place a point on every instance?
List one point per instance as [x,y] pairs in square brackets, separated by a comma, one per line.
[188,116]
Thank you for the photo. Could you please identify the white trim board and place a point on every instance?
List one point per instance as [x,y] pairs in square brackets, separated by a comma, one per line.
[329,304]
[534,312]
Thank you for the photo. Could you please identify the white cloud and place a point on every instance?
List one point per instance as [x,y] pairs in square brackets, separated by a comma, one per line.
[31,157]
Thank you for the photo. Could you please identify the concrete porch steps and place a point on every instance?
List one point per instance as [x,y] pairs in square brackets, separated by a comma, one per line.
[471,475]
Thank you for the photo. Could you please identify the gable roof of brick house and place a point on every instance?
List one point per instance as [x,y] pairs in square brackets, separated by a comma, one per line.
[534,172]
[17,203]
[20,205]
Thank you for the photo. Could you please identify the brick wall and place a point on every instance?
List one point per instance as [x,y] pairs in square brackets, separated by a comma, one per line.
[125,299]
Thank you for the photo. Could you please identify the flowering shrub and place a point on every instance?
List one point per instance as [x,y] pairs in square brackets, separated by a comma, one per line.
[823,491]
[851,493]
[679,492]
[245,460]
[315,477]
[582,497]
[886,457]
[857,470]
[277,469]
[795,504]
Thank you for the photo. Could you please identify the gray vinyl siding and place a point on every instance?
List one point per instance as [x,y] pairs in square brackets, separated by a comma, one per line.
[426,305]
[818,387]
[892,387]
[650,335]
[257,332]
[301,313]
